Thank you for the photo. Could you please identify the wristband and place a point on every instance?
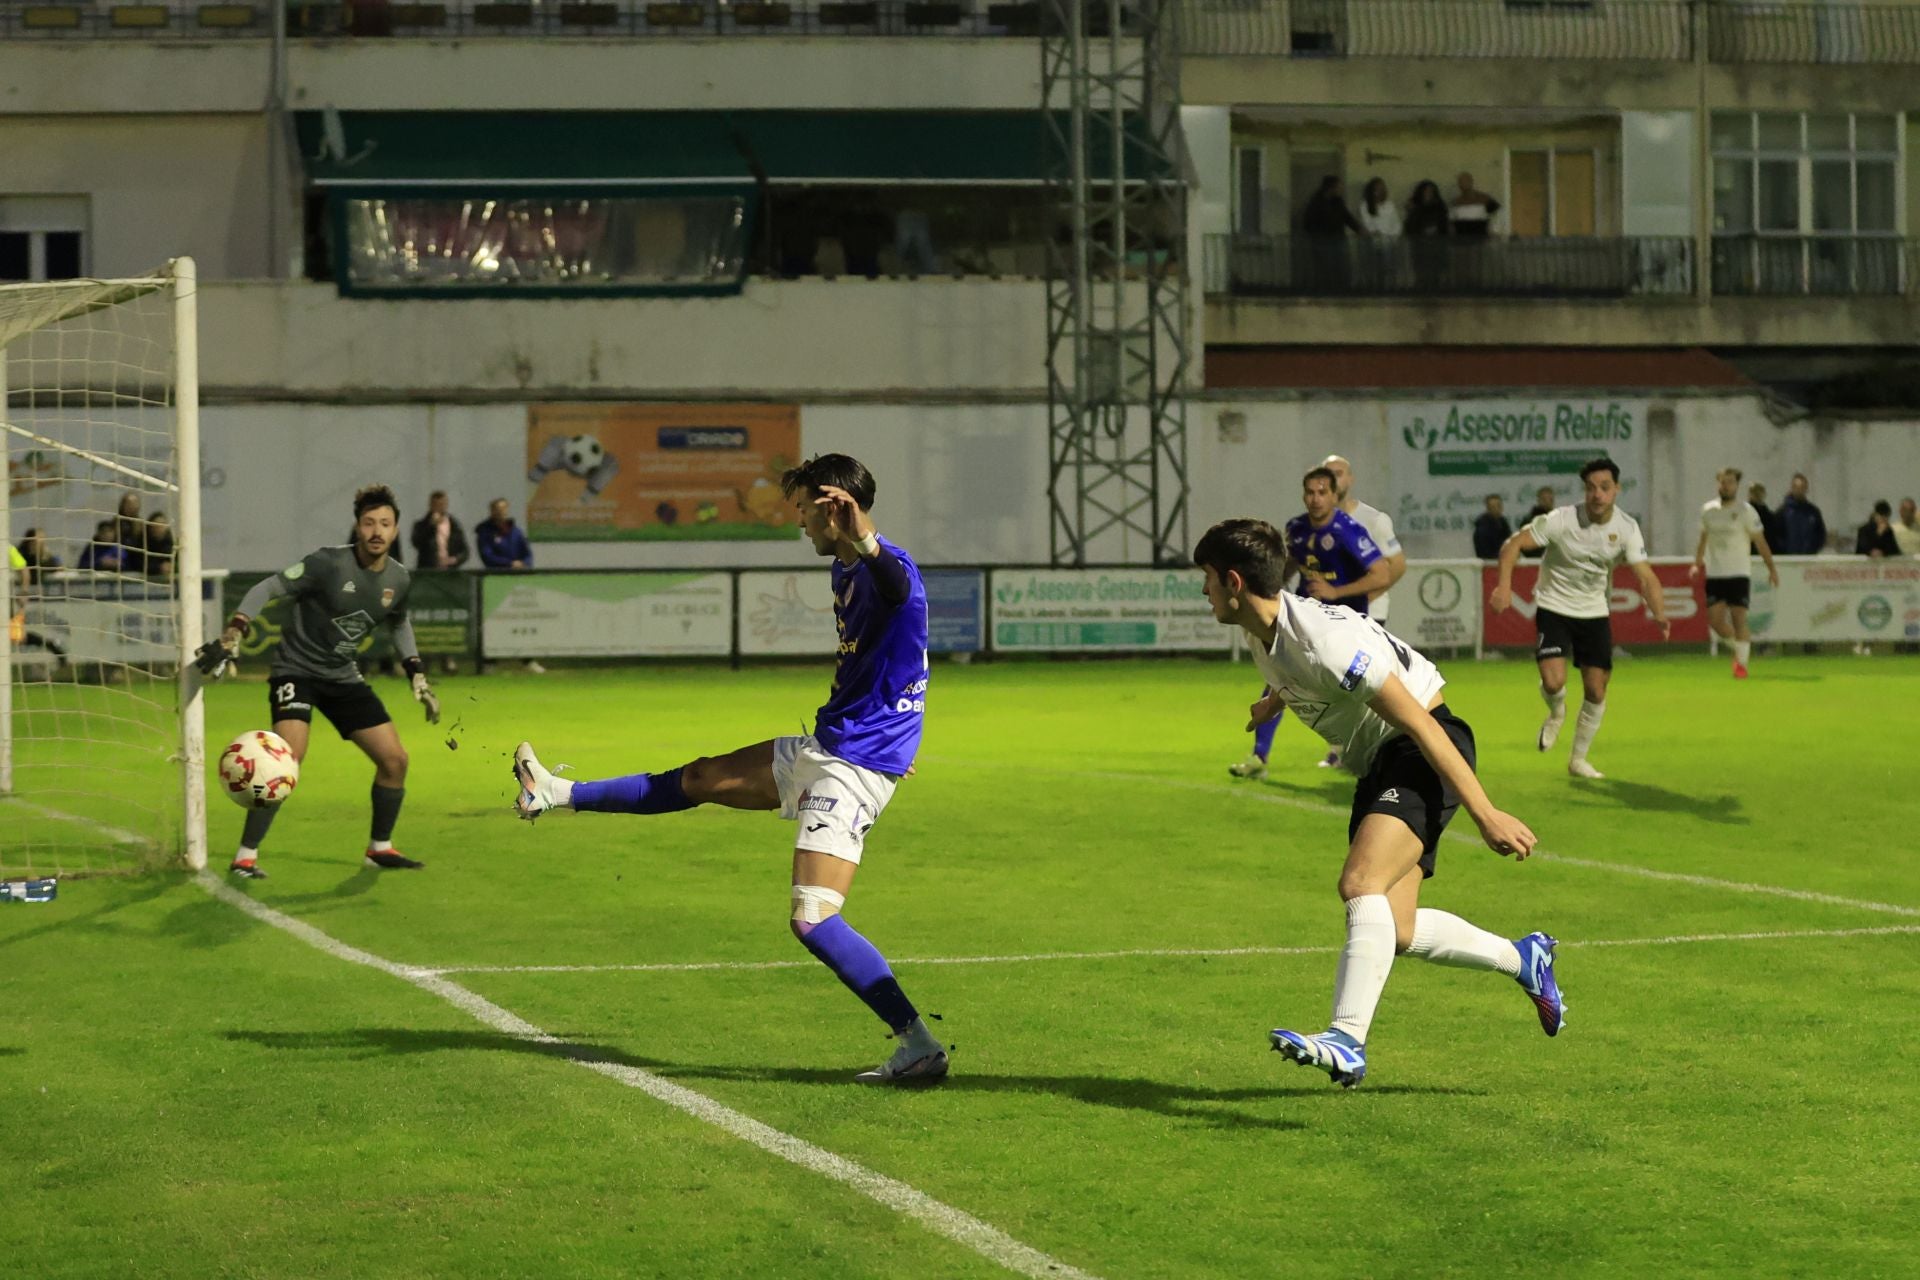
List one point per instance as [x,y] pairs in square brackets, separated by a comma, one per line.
[412,666]
[869,546]
[239,622]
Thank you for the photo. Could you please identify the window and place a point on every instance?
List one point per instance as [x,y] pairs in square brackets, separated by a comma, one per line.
[1806,202]
[43,237]
[1551,193]
[1249,183]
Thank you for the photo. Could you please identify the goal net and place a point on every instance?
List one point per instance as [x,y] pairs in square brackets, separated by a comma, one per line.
[101,759]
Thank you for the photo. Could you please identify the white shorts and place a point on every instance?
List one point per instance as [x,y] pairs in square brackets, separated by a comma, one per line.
[834,802]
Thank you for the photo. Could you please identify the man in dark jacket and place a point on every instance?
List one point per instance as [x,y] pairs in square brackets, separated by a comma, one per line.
[502,544]
[1769,518]
[438,540]
[1491,528]
[1803,530]
[1875,537]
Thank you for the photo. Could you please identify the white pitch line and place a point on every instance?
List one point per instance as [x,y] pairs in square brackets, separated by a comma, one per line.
[119,835]
[1591,864]
[941,1218]
[1671,939]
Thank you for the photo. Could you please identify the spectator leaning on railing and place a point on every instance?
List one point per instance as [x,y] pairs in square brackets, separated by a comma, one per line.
[1803,530]
[1875,537]
[1491,528]
[1906,529]
[504,548]
[1769,518]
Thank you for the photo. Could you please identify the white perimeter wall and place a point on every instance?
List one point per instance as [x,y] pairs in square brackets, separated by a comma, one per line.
[958,483]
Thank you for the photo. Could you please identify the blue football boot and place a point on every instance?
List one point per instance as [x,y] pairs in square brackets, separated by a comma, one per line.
[1537,980]
[1334,1052]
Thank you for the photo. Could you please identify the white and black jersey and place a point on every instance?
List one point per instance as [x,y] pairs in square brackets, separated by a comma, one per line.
[1576,576]
[1379,527]
[1730,528]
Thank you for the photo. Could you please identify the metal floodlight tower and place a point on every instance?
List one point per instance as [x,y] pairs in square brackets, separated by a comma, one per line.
[1117,320]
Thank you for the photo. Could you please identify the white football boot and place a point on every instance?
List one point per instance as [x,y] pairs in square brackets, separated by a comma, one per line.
[539,789]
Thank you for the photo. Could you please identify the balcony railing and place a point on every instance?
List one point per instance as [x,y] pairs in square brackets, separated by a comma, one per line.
[1442,267]
[1813,266]
[1814,33]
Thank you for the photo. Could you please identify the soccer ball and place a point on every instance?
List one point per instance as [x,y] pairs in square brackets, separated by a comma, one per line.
[258,770]
[583,454]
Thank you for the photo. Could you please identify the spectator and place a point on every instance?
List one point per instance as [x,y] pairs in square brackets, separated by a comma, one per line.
[1542,504]
[1769,518]
[1426,230]
[1803,530]
[1876,535]
[1473,211]
[131,533]
[502,544]
[1906,530]
[38,555]
[1380,219]
[1324,224]
[1491,528]
[105,554]
[504,547]
[913,242]
[159,546]
[438,540]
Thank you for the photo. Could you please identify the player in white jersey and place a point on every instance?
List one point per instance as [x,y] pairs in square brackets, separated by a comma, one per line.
[1379,701]
[1572,609]
[1728,529]
[1378,526]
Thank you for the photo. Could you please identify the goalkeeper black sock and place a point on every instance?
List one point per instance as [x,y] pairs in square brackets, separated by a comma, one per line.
[386,812]
[258,820]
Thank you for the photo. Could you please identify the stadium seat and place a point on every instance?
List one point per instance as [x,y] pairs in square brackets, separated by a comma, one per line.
[753,13]
[933,15]
[503,15]
[420,15]
[676,15]
[50,17]
[589,15]
[227,15]
[833,14]
[139,15]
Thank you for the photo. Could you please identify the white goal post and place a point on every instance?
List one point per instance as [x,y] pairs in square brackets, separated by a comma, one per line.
[102,730]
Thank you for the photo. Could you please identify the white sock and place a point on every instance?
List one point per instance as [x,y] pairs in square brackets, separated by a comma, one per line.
[1364,964]
[379,846]
[1442,938]
[562,793]
[1556,702]
[1741,648]
[246,854]
[1586,727]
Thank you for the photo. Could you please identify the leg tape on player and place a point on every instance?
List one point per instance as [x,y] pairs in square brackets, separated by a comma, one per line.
[812,904]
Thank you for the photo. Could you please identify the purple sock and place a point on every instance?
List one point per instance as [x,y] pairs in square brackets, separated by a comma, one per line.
[856,962]
[1262,737]
[635,793]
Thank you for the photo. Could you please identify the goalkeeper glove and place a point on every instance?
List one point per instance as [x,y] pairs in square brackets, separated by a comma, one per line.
[422,691]
[215,656]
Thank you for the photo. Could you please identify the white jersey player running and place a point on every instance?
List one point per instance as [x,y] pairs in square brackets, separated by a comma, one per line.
[1572,608]
[1729,531]
[1379,701]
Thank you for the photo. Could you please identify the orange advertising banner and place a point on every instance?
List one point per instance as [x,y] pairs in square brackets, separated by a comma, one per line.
[683,472]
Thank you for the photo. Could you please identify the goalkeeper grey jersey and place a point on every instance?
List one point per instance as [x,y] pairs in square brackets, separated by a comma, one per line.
[333,605]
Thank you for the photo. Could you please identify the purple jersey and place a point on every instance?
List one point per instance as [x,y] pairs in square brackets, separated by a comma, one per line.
[872,716]
[1339,552]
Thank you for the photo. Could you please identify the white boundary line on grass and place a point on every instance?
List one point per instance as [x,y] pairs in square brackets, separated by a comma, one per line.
[119,835]
[1667,940]
[943,1219]
[1592,864]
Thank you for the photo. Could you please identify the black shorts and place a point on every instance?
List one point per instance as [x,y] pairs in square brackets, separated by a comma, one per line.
[1402,784]
[1734,591]
[1588,641]
[348,706]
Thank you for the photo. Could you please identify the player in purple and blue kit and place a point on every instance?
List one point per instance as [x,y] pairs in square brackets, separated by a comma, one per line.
[836,781]
[1336,561]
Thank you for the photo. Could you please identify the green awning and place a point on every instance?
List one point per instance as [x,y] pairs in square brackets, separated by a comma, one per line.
[651,148]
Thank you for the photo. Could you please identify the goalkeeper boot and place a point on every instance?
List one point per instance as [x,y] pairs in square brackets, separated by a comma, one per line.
[1335,1052]
[246,869]
[918,1060]
[392,860]
[539,789]
[1537,980]
[1253,769]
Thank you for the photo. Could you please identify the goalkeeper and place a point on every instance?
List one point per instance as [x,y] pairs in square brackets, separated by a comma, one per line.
[339,595]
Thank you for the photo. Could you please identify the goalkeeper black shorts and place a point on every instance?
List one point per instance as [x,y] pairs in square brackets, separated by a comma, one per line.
[348,706]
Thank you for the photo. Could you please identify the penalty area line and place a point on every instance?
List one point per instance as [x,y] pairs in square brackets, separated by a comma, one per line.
[943,1219]
[1145,953]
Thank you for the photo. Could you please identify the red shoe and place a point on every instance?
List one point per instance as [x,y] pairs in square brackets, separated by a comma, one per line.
[1739,671]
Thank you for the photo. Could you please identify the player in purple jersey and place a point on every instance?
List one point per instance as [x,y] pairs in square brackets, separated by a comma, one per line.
[1336,561]
[834,782]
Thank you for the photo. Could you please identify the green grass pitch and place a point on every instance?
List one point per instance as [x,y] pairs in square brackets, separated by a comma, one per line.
[190,1093]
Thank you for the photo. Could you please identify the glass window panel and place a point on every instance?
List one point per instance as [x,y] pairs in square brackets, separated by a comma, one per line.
[63,255]
[1832,195]
[1733,195]
[1779,131]
[1779,195]
[1527,189]
[16,255]
[1732,131]
[1877,196]
[1875,133]
[1828,133]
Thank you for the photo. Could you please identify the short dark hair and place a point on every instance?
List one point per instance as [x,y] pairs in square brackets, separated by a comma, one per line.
[437,493]
[373,497]
[1251,548]
[1883,508]
[836,469]
[1321,473]
[1601,464]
